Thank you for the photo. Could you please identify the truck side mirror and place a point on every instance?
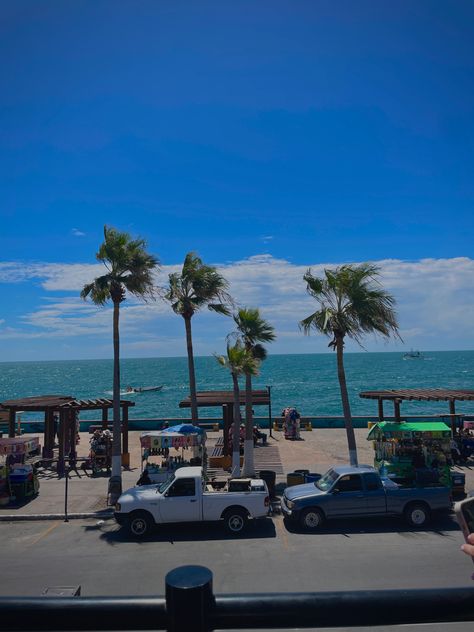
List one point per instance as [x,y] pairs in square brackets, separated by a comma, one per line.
[335,491]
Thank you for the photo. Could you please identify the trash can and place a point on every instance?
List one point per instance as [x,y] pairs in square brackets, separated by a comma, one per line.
[312,477]
[269,476]
[458,481]
[294,478]
[304,472]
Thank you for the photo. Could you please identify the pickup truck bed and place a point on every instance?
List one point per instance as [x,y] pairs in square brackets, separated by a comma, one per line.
[345,492]
[187,497]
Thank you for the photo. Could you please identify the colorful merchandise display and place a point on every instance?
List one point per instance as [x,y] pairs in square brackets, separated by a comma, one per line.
[291,425]
[18,478]
[413,452]
[188,447]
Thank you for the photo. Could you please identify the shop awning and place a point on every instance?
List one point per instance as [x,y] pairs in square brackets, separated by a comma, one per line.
[162,439]
[395,429]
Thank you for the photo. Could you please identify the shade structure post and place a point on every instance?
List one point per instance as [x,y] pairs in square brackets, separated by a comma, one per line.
[11,422]
[105,418]
[73,437]
[380,409]
[62,441]
[396,409]
[49,433]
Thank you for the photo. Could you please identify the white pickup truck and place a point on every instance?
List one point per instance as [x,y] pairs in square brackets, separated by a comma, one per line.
[186,497]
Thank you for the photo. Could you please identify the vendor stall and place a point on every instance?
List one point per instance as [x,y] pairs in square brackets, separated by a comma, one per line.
[18,478]
[174,447]
[414,453]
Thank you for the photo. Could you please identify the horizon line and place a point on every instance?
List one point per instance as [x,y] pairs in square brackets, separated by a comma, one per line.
[110,359]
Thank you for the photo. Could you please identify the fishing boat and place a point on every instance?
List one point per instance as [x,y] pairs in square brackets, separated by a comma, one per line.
[413,355]
[143,389]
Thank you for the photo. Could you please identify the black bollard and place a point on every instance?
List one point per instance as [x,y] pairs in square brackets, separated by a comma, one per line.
[189,599]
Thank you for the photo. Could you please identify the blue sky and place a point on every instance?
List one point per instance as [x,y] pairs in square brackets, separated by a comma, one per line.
[270,135]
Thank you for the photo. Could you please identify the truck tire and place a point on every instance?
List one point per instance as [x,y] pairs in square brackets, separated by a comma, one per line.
[140,524]
[235,520]
[417,514]
[312,518]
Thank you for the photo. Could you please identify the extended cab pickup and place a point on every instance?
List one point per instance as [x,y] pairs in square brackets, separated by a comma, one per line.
[186,497]
[349,492]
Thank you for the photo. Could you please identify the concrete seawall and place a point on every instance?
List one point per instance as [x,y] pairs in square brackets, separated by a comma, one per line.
[32,426]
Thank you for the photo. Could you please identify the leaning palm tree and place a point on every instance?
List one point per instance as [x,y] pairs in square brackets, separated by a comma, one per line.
[253,330]
[198,285]
[352,303]
[129,268]
[238,361]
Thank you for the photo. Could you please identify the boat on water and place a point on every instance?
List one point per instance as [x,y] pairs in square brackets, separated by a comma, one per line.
[413,355]
[143,389]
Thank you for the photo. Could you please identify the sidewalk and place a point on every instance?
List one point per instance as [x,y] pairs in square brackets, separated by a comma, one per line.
[316,451]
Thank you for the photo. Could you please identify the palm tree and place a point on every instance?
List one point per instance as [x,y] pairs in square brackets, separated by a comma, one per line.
[238,361]
[352,303]
[198,285]
[253,330]
[129,268]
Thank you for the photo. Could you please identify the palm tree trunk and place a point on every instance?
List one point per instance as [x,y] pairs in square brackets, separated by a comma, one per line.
[236,431]
[345,402]
[249,467]
[116,445]
[192,375]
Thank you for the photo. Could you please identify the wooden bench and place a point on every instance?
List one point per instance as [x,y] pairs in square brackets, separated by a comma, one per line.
[217,450]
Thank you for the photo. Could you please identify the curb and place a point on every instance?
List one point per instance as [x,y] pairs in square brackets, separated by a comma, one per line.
[104,515]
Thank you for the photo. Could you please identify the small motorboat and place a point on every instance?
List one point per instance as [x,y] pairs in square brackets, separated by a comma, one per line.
[143,389]
[413,355]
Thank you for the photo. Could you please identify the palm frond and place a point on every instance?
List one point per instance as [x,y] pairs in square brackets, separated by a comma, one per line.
[352,303]
[197,286]
[129,268]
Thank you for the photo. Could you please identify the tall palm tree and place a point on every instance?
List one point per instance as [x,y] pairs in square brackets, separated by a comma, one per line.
[253,330]
[198,285]
[129,268]
[238,361]
[352,303]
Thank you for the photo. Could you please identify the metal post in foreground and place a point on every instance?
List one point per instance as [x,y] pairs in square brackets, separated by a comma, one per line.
[189,598]
[66,490]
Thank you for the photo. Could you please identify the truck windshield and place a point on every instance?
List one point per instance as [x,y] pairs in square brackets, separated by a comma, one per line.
[164,486]
[326,481]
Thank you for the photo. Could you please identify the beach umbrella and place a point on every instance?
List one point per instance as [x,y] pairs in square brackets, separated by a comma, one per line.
[185,429]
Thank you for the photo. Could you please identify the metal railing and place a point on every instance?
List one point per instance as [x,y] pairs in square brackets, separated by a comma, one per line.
[190,604]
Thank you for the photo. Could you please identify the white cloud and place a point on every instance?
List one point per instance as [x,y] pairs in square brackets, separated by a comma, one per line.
[77,233]
[435,304]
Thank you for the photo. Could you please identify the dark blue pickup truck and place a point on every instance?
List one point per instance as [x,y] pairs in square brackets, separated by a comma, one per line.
[350,492]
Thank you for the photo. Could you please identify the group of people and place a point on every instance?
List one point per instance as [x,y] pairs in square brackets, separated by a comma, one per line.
[258,435]
[462,446]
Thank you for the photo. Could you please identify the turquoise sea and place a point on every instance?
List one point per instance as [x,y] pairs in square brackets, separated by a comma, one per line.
[308,382]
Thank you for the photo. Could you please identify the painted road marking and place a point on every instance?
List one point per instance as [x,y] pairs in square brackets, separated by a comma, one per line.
[281,531]
[45,533]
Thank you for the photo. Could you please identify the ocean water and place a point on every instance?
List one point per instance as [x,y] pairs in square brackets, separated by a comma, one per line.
[308,382]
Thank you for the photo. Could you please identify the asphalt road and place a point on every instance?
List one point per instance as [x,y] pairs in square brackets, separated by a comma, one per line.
[271,557]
